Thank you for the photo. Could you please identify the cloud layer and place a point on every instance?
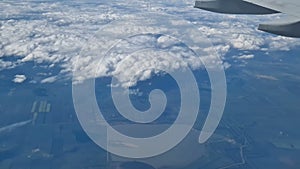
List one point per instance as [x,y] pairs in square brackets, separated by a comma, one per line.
[54,33]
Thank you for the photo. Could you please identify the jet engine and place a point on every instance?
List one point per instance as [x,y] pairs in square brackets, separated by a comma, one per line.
[232,7]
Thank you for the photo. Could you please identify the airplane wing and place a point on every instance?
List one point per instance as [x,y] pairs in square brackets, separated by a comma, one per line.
[288,26]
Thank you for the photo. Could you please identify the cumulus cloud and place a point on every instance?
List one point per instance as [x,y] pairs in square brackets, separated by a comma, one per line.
[49,79]
[245,57]
[6,65]
[19,78]
[139,57]
[54,33]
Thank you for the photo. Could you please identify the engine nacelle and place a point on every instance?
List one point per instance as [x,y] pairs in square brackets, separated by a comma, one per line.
[287,29]
[232,7]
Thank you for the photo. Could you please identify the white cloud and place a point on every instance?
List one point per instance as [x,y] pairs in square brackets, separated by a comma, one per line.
[266,77]
[49,79]
[19,78]
[6,65]
[245,57]
[55,32]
